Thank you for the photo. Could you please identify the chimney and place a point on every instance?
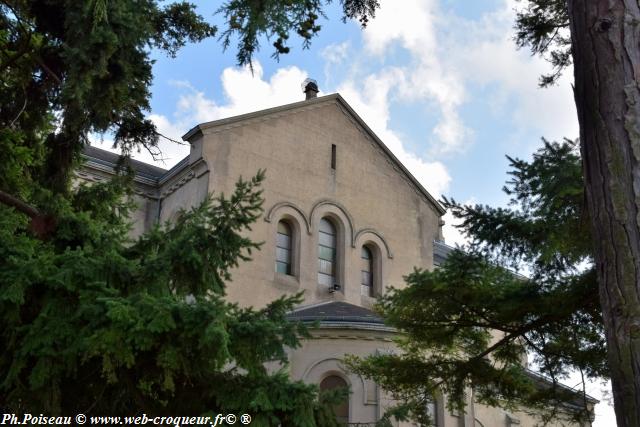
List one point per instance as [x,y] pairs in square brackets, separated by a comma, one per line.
[310,88]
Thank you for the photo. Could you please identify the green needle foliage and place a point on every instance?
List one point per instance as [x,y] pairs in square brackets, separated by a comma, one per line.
[71,68]
[93,322]
[472,322]
[543,27]
[249,21]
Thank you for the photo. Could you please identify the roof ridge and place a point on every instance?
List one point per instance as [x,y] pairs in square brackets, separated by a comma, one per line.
[314,305]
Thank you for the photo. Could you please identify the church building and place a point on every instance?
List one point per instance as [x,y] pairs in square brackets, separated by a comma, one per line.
[343,220]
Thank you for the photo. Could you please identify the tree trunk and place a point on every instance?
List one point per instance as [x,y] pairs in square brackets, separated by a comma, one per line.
[606,51]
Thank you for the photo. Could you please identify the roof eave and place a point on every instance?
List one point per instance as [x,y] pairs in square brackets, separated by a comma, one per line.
[361,326]
[191,133]
[389,153]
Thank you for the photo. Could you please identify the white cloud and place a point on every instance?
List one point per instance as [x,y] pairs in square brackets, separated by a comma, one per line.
[335,53]
[448,54]
[483,52]
[452,236]
[244,92]
[412,26]
[448,57]
[370,100]
[410,22]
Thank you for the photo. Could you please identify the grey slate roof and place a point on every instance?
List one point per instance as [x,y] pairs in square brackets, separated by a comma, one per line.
[544,382]
[440,252]
[336,311]
[108,158]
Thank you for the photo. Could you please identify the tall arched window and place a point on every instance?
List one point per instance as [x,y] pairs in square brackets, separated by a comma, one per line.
[366,272]
[327,253]
[341,410]
[283,248]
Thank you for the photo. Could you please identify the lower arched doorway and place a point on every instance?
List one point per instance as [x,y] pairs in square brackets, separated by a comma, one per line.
[340,410]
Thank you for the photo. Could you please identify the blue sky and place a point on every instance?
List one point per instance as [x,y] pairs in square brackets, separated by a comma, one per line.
[440,81]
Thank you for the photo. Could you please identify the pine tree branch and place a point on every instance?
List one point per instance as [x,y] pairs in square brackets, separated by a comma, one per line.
[48,70]
[21,206]
[41,225]
[24,105]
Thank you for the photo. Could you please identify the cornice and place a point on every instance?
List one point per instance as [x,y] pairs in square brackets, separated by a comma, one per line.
[88,175]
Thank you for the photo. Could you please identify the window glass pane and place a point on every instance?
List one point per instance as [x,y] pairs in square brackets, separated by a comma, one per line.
[366,253]
[366,278]
[282,267]
[283,255]
[283,241]
[325,279]
[283,248]
[325,267]
[366,271]
[366,290]
[326,253]
[327,227]
[327,239]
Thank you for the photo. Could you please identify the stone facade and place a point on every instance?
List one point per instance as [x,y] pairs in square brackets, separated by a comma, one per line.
[322,162]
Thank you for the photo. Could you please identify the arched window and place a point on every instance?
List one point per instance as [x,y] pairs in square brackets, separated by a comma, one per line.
[366,271]
[327,253]
[283,248]
[341,410]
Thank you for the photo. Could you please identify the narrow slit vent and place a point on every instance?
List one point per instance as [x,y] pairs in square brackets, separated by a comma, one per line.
[333,156]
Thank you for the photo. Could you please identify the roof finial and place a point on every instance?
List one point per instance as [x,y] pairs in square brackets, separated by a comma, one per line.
[310,88]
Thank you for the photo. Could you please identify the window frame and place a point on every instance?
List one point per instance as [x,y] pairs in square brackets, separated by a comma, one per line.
[288,262]
[336,252]
[294,252]
[370,265]
[376,269]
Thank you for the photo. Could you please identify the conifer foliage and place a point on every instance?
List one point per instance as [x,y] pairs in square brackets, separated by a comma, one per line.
[83,67]
[94,322]
[471,322]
